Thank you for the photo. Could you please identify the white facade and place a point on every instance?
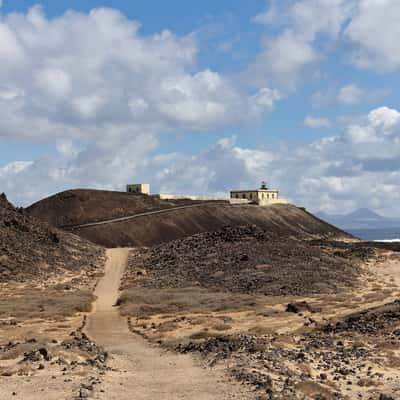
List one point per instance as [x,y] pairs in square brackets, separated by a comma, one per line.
[262,196]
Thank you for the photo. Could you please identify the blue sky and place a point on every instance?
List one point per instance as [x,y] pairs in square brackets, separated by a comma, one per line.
[202,97]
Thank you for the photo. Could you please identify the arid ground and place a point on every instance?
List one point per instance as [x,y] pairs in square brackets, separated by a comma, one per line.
[281,307]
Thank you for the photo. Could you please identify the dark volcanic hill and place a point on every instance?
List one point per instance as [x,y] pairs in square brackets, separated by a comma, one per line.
[80,206]
[284,220]
[31,249]
[249,259]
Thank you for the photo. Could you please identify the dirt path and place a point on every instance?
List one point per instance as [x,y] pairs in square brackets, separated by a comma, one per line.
[139,370]
[145,214]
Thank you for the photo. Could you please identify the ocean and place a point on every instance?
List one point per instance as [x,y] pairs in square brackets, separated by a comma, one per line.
[381,235]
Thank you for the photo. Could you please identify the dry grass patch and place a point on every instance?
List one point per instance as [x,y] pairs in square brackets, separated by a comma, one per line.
[221,327]
[45,304]
[143,302]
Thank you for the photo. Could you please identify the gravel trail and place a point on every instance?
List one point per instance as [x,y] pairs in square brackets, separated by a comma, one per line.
[140,370]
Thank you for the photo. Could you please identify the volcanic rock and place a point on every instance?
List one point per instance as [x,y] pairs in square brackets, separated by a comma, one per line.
[32,249]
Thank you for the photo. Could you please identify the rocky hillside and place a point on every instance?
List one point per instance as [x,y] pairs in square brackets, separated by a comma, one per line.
[30,248]
[80,206]
[150,230]
[249,260]
[283,220]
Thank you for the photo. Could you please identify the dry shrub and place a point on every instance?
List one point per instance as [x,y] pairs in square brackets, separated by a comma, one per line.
[46,304]
[314,390]
[204,334]
[200,320]
[260,330]
[221,327]
[167,327]
[367,382]
[374,296]
[141,302]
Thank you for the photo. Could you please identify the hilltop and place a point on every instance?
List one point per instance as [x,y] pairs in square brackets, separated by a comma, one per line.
[31,249]
[82,206]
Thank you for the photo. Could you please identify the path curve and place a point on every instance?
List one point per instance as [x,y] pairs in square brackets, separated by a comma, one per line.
[141,371]
[144,214]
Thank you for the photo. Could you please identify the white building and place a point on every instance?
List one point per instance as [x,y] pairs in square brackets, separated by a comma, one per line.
[263,196]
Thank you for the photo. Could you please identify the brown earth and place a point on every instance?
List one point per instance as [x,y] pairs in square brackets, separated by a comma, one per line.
[150,230]
[151,373]
[76,207]
[298,319]
[250,260]
[80,206]
[30,249]
[47,278]
[279,300]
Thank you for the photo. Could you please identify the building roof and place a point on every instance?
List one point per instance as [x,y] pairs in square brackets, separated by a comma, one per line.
[255,190]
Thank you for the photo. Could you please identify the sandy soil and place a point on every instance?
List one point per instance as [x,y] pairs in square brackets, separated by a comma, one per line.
[139,368]
[271,342]
[47,380]
[45,316]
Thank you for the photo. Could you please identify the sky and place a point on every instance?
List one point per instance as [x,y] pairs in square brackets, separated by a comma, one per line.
[202,98]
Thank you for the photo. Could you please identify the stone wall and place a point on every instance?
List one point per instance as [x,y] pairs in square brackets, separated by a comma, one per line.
[167,196]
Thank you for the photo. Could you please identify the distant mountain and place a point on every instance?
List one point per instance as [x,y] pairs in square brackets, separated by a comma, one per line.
[362,218]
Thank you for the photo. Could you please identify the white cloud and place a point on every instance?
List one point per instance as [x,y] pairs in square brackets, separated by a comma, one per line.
[322,16]
[104,93]
[351,94]
[358,168]
[282,61]
[53,82]
[284,57]
[385,118]
[10,49]
[93,166]
[268,16]
[334,174]
[348,95]
[8,94]
[316,123]
[92,84]
[266,98]
[308,16]
[380,124]
[366,29]
[80,72]
[14,168]
[87,106]
[374,30]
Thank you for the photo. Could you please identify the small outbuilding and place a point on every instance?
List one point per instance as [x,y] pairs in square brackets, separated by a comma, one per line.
[143,188]
[263,196]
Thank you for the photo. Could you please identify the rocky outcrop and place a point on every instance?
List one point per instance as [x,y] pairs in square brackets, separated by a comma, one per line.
[248,259]
[32,249]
